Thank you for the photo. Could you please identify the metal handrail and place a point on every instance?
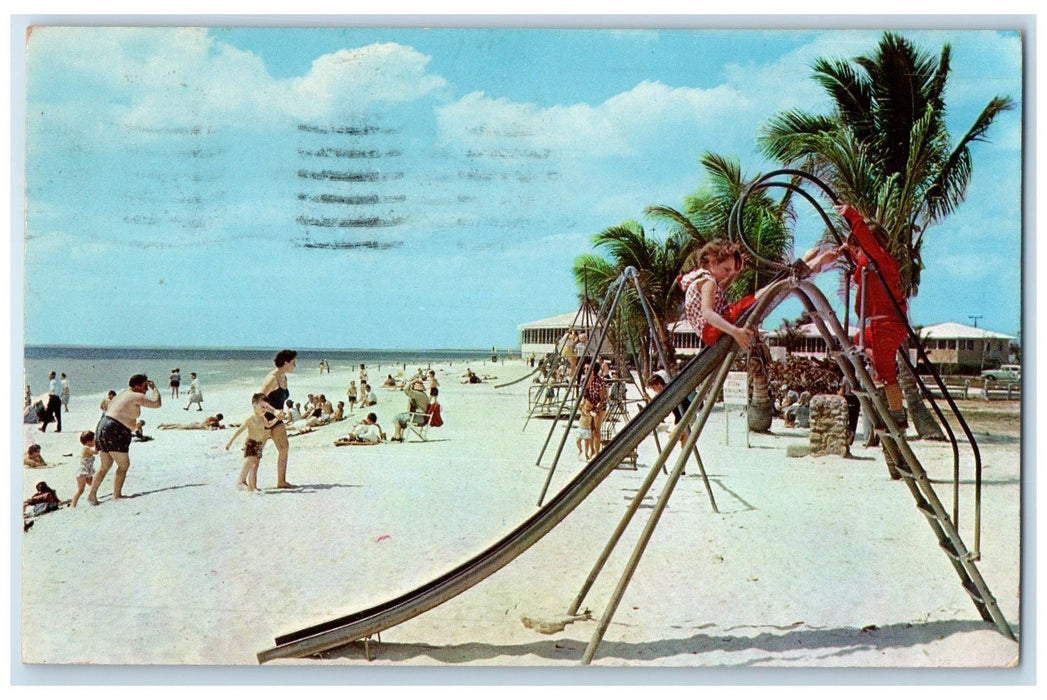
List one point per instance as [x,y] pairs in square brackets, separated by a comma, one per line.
[737,230]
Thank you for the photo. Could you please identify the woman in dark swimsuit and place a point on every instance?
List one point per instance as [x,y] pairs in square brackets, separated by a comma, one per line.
[276,393]
[176,381]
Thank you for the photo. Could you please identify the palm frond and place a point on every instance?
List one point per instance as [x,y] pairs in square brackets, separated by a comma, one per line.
[850,90]
[677,220]
[786,136]
[949,186]
[885,146]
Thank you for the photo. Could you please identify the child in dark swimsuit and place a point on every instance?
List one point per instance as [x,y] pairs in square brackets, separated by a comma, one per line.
[257,426]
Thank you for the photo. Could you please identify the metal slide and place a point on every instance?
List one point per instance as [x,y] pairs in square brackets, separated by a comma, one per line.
[361,625]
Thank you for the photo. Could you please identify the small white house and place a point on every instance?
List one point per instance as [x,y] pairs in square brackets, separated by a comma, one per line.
[959,345]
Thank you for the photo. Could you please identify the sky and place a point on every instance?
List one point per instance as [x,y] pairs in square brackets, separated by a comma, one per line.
[427,188]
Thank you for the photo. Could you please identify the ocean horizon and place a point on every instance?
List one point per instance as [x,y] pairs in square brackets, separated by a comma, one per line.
[62,349]
[93,370]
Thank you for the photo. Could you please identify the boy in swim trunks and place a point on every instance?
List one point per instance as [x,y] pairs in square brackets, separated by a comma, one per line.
[115,430]
[257,428]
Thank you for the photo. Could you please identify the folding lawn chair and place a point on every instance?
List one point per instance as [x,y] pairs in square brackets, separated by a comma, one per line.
[422,421]
[419,425]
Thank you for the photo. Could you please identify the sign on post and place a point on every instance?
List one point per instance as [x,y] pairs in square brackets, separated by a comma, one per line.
[735,395]
[735,389]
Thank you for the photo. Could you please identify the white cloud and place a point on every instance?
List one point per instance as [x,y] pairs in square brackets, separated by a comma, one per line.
[966,267]
[182,77]
[786,83]
[355,78]
[614,128]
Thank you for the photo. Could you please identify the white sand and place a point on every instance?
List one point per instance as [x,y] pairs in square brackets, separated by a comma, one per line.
[810,562]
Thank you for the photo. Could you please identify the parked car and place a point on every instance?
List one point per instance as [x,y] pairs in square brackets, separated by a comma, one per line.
[1004,373]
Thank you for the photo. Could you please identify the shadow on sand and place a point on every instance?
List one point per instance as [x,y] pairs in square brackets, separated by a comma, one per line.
[836,642]
[310,488]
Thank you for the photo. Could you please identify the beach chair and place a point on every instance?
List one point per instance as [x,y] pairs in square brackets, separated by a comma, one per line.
[422,421]
[419,425]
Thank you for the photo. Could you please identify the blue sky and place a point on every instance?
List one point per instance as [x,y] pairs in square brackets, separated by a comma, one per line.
[405,188]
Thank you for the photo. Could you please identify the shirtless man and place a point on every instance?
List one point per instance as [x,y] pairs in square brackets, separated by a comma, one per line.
[115,429]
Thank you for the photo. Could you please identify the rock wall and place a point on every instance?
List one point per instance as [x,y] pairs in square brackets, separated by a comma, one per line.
[829,425]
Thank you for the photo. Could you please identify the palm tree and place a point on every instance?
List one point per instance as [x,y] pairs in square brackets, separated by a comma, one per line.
[885,149]
[657,263]
[761,404]
[707,213]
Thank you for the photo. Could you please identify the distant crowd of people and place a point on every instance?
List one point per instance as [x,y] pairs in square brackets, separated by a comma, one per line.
[274,417]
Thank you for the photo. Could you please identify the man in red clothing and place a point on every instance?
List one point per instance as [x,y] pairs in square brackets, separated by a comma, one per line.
[885,330]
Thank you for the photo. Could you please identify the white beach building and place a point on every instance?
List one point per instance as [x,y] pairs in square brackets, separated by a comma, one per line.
[956,345]
[540,337]
[950,345]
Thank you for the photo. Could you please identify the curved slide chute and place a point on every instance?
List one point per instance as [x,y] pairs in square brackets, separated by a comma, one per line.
[361,625]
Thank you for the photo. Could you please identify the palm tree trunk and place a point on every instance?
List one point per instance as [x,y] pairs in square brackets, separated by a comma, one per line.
[921,417]
[760,407]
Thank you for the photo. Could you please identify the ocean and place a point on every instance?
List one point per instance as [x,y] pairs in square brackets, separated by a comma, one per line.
[92,371]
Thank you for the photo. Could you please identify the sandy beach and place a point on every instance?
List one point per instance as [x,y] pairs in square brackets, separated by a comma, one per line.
[810,562]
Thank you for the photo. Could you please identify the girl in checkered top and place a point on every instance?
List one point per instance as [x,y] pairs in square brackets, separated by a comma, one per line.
[705,305]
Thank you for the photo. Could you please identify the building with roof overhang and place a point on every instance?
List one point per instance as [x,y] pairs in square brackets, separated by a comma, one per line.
[950,344]
[540,337]
[956,345]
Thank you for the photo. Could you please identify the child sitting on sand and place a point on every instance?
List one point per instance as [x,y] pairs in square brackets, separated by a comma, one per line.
[367,431]
[86,473]
[32,457]
[43,501]
[257,428]
[139,434]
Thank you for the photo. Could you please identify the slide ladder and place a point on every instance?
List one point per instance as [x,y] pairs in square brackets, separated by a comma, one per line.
[901,460]
[900,456]
[850,359]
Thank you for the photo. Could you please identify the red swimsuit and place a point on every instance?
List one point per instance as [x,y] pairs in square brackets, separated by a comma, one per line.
[884,330]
